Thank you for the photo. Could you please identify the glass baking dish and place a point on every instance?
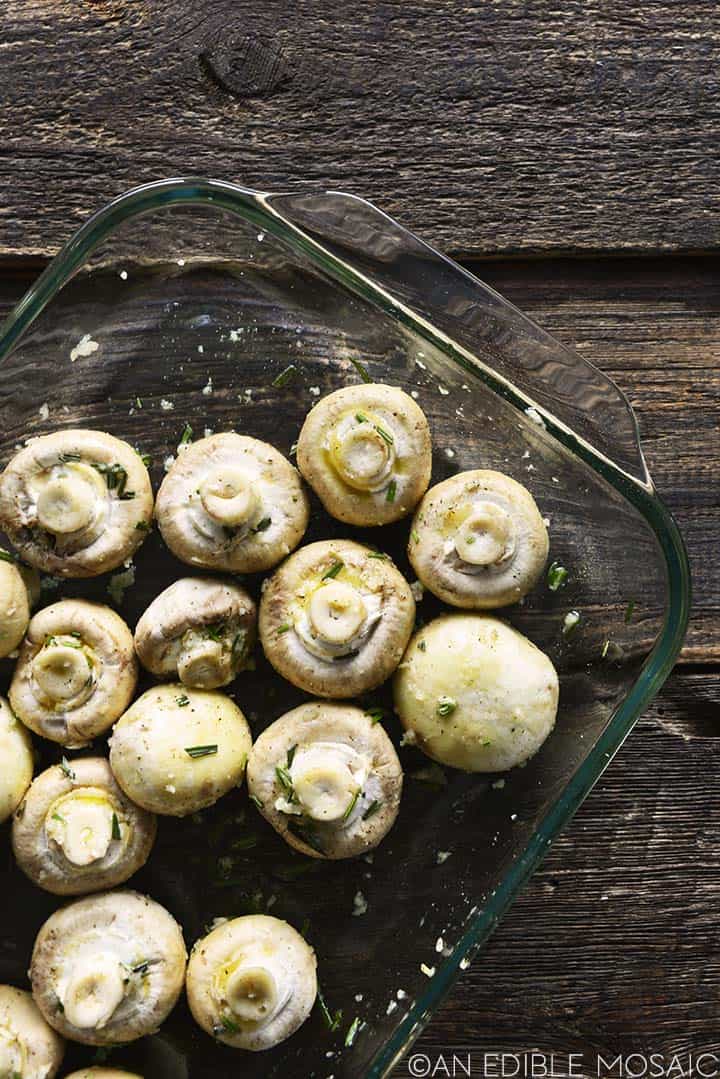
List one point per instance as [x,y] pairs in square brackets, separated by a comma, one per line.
[199,294]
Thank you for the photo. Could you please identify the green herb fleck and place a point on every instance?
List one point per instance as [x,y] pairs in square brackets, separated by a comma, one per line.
[69,458]
[414,536]
[291,756]
[142,526]
[605,648]
[285,376]
[285,780]
[629,610]
[186,436]
[422,646]
[261,526]
[66,769]
[182,701]
[351,805]
[115,476]
[446,706]
[557,576]
[254,798]
[384,435]
[381,555]
[6,556]
[333,571]
[283,628]
[332,1021]
[229,1024]
[352,1031]
[215,632]
[146,460]
[391,491]
[375,714]
[58,816]
[304,831]
[115,827]
[371,810]
[138,402]
[201,751]
[361,370]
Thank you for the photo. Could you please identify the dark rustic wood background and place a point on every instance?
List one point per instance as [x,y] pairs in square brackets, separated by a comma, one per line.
[548,146]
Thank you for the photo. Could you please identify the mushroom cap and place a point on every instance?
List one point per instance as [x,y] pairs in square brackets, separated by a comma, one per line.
[335,618]
[19,587]
[28,1046]
[251,982]
[151,743]
[76,673]
[16,754]
[65,502]
[77,832]
[200,630]
[475,693]
[366,452]
[116,963]
[327,778]
[233,503]
[478,540]
[103,1073]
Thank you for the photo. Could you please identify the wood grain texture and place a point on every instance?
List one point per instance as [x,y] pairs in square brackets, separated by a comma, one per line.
[521,126]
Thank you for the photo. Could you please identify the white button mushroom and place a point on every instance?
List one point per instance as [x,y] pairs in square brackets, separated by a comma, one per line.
[29,1048]
[177,750]
[327,778]
[76,672]
[76,503]
[98,1072]
[16,754]
[76,832]
[475,694]
[233,503]
[366,452]
[199,630]
[335,618]
[19,588]
[251,982]
[109,968]
[478,540]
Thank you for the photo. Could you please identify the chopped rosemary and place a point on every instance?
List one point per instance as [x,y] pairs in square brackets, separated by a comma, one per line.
[115,827]
[384,435]
[305,832]
[285,780]
[557,576]
[414,536]
[254,798]
[142,526]
[361,417]
[146,460]
[283,628]
[66,769]
[351,805]
[371,810]
[69,458]
[629,610]
[126,496]
[352,1031]
[215,632]
[361,370]
[375,714]
[605,648]
[58,816]
[229,1024]
[332,1022]
[261,526]
[291,756]
[285,376]
[6,556]
[182,701]
[422,645]
[446,706]
[391,491]
[186,436]
[115,476]
[333,571]
[381,555]
[201,751]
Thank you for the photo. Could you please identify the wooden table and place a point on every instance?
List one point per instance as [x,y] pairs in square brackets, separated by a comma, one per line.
[547,147]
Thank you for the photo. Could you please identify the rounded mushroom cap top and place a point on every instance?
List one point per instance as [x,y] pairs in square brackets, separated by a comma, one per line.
[335,618]
[177,750]
[200,630]
[103,1073]
[29,1047]
[19,588]
[16,754]
[327,778]
[74,502]
[116,963]
[475,693]
[366,452]
[478,540]
[76,672]
[76,831]
[252,982]
[233,503]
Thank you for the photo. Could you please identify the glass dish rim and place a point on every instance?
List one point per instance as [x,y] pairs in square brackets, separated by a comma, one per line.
[256,207]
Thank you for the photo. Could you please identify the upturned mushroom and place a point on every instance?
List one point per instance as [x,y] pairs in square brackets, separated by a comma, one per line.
[177,750]
[76,832]
[200,630]
[76,503]
[16,754]
[109,968]
[19,590]
[251,982]
[98,1072]
[335,618]
[478,540]
[233,503]
[475,694]
[366,452]
[327,778]
[76,672]
[29,1047]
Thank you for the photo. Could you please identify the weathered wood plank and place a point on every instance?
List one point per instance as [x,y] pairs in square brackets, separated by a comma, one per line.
[510,127]
[610,948]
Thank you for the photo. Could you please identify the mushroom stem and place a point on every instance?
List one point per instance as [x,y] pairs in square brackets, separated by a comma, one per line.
[361,455]
[61,670]
[204,663]
[228,496]
[252,993]
[81,824]
[94,991]
[336,612]
[324,780]
[487,536]
[66,504]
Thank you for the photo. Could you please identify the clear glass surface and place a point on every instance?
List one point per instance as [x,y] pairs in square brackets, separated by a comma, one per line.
[199,294]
